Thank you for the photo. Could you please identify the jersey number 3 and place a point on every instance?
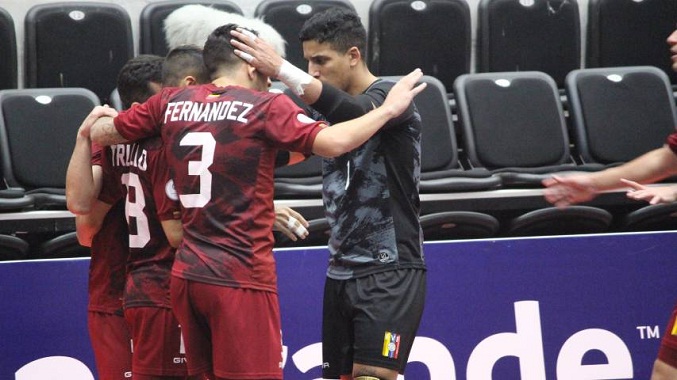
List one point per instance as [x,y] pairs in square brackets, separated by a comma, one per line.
[200,168]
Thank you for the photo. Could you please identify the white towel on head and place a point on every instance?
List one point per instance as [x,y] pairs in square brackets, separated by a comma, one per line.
[192,24]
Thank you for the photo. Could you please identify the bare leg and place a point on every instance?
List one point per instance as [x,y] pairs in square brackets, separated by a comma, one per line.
[663,371]
[371,371]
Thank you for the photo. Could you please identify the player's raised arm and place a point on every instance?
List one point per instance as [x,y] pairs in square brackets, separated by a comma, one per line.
[344,137]
[103,132]
[82,184]
[649,167]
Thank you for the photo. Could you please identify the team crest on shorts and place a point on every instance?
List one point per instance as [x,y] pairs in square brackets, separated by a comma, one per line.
[383,256]
[391,345]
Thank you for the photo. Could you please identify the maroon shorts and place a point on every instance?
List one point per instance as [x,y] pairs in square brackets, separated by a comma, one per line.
[668,350]
[157,342]
[231,332]
[112,345]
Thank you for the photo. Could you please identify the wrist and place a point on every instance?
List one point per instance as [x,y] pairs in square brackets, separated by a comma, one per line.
[295,78]
[388,112]
[83,134]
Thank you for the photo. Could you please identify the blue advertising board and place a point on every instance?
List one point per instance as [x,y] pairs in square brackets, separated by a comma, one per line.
[585,307]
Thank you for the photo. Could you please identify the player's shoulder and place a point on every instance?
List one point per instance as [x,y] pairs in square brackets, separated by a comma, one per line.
[379,88]
[153,143]
[244,94]
[382,84]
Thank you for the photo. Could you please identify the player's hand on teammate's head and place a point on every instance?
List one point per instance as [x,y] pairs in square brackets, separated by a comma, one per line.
[256,52]
[96,113]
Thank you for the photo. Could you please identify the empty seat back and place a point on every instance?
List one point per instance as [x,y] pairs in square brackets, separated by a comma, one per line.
[77,44]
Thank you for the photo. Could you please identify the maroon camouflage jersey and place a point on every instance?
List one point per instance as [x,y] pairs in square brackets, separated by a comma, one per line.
[221,145]
[672,142]
[109,257]
[139,171]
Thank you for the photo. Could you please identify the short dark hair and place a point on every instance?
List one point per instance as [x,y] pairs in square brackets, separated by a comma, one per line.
[340,27]
[218,52]
[136,76]
[181,62]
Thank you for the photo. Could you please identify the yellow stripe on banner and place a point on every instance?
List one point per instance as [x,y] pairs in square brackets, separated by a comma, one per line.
[674,328]
[386,343]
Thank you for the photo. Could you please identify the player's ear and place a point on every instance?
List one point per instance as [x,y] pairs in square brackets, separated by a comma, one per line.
[251,71]
[189,81]
[354,55]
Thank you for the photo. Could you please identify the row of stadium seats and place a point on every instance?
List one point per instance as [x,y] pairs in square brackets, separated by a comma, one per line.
[512,129]
[84,44]
[448,225]
[573,220]
[516,129]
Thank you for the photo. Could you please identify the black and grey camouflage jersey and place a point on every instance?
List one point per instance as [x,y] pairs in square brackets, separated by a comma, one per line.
[371,197]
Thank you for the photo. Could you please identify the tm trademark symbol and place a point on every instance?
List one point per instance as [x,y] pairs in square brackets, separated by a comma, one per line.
[649,332]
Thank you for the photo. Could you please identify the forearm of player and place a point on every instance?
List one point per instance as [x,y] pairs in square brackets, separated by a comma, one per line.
[86,226]
[79,178]
[103,132]
[344,137]
[647,168]
[338,106]
[173,230]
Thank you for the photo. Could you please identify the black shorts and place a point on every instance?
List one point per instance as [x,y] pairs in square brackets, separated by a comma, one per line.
[371,320]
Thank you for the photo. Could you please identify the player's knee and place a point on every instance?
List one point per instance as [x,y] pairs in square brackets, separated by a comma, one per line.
[367,372]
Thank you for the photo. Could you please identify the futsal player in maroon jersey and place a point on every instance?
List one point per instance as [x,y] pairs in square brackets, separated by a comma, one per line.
[108,330]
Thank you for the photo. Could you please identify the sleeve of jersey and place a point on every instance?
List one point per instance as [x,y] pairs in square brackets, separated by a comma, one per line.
[377,95]
[164,193]
[338,106]
[111,187]
[672,142]
[96,155]
[289,127]
[143,120]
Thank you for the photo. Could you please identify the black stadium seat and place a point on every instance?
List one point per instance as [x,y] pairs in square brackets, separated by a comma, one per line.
[537,35]
[61,246]
[630,33]
[458,225]
[302,180]
[8,52]
[151,22]
[549,221]
[37,135]
[77,44]
[432,35]
[13,248]
[288,16]
[619,113]
[660,217]
[441,167]
[513,124]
